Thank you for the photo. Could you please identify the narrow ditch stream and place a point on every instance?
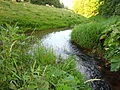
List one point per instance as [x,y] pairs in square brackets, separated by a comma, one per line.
[60,42]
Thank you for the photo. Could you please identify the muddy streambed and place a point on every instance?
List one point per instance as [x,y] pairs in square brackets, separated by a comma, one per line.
[60,42]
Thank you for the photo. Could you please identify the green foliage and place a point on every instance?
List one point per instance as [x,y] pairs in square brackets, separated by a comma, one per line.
[111,37]
[86,8]
[45,58]
[11,48]
[20,70]
[101,34]
[87,35]
[90,8]
[56,3]
[29,16]
[110,7]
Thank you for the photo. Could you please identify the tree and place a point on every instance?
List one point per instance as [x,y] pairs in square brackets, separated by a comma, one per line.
[110,7]
[86,8]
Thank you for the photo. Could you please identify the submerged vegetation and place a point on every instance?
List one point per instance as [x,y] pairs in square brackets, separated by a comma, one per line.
[39,70]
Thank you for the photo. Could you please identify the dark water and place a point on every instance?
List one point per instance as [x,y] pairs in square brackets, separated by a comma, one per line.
[60,42]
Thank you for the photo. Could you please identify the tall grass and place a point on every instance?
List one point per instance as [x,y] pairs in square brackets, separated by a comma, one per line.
[102,36]
[21,70]
[87,35]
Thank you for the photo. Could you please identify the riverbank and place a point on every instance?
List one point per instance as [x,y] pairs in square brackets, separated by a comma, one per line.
[20,69]
[37,17]
[100,39]
[34,68]
[101,36]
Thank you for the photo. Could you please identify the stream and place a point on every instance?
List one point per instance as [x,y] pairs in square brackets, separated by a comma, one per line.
[60,42]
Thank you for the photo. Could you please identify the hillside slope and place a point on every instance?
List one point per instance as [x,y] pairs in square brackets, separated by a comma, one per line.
[30,16]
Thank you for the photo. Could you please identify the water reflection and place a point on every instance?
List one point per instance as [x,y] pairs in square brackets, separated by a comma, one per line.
[59,42]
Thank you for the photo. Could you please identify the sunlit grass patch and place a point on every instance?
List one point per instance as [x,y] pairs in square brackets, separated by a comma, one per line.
[30,16]
[87,35]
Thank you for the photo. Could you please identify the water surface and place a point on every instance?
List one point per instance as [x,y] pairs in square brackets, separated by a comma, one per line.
[60,42]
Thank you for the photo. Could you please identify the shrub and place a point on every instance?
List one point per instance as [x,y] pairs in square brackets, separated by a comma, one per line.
[56,3]
[110,7]
[102,35]
[111,37]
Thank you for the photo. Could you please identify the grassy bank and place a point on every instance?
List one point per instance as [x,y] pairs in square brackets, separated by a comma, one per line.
[101,35]
[87,35]
[20,70]
[29,16]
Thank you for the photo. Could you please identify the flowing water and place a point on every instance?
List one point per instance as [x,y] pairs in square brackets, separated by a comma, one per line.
[60,42]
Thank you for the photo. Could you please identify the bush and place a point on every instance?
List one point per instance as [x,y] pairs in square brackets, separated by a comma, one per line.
[111,37]
[56,3]
[110,7]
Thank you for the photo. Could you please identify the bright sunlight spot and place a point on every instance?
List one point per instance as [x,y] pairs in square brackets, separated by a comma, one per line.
[67,3]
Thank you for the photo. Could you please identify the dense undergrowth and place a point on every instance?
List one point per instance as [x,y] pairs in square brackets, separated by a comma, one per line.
[20,70]
[109,7]
[29,16]
[55,3]
[102,35]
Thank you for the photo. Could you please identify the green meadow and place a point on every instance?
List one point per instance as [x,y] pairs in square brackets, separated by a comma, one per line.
[29,16]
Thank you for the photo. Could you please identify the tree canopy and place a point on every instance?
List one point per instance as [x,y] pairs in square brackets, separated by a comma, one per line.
[86,8]
[56,3]
[110,7]
[90,8]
